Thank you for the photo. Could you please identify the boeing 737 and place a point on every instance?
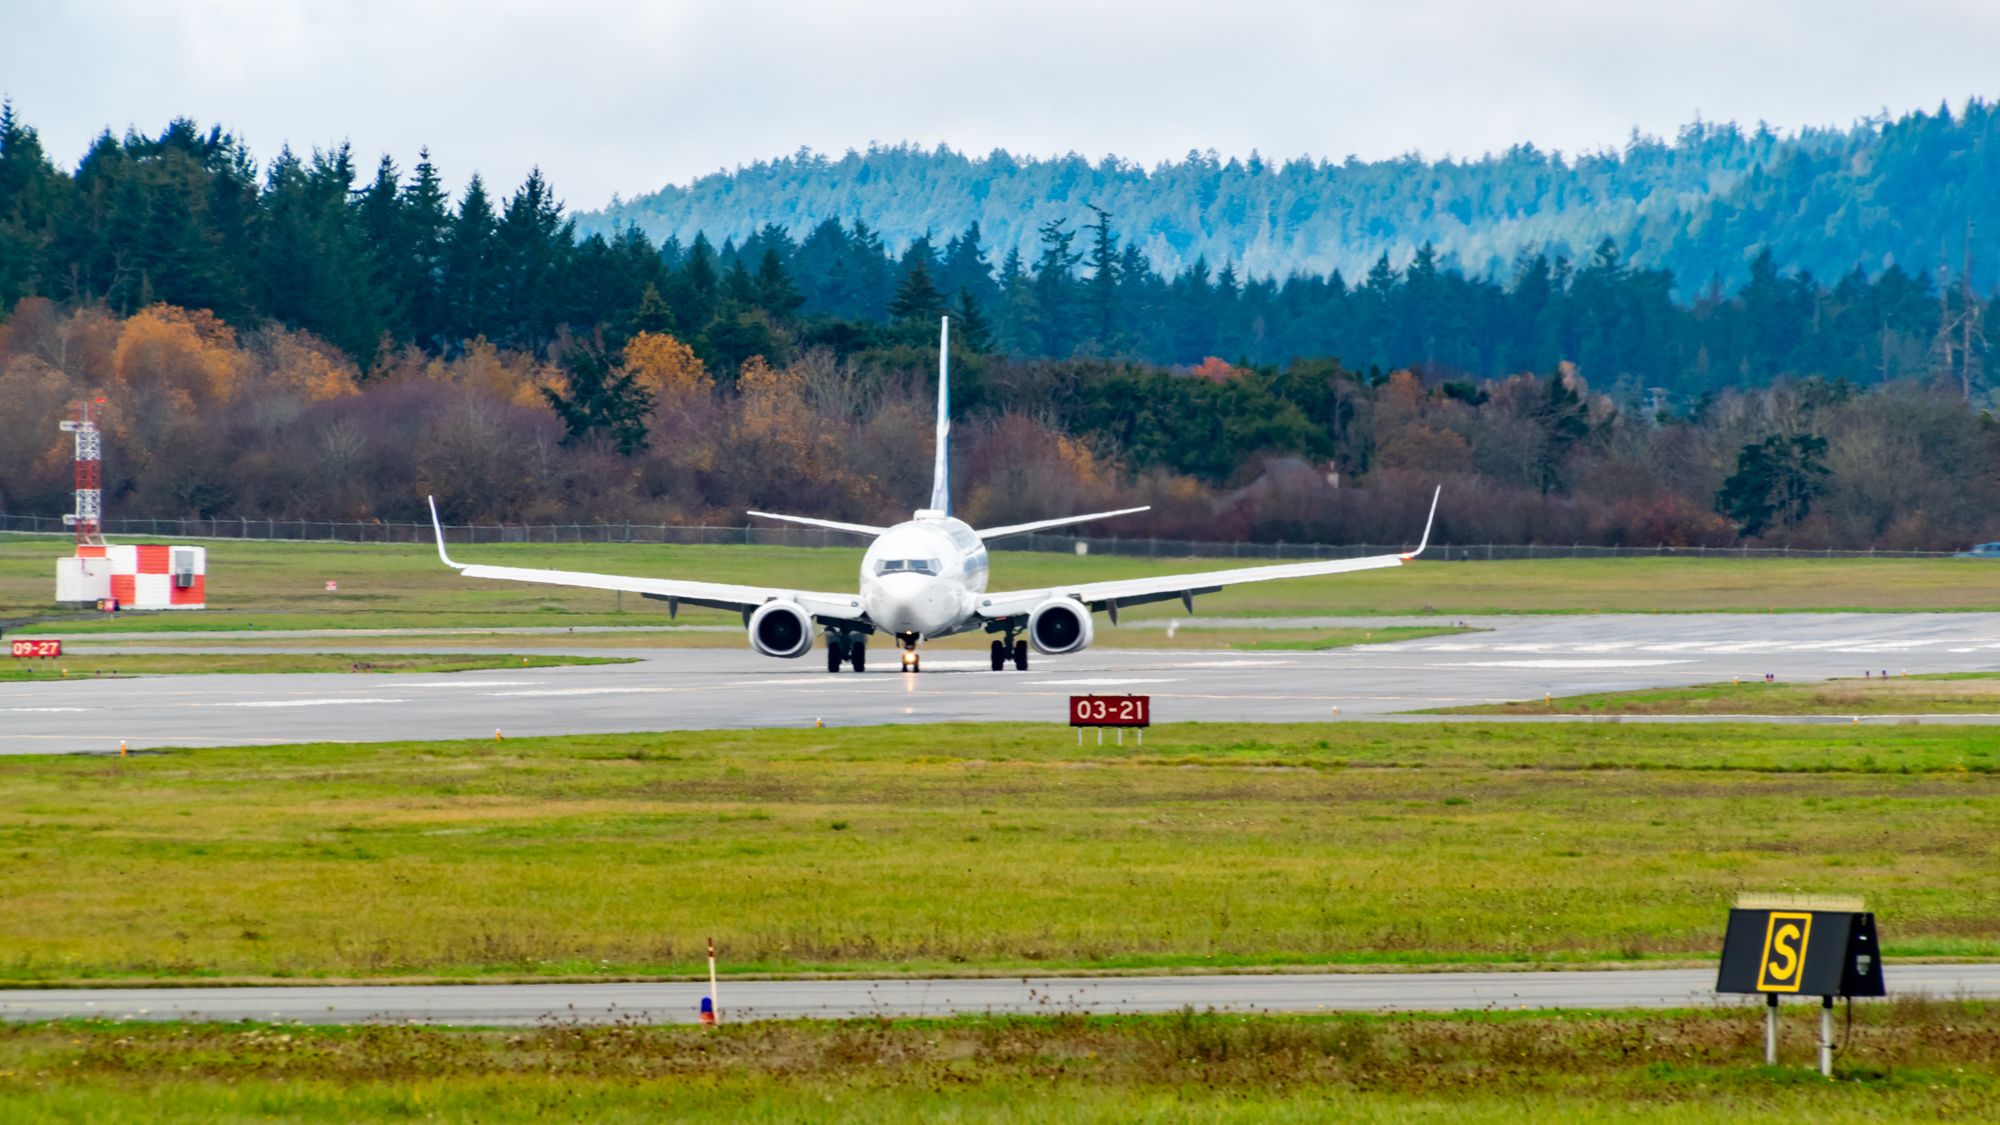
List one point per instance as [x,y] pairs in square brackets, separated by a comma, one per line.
[925,578]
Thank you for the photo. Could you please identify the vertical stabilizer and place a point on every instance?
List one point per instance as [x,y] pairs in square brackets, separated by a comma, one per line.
[941,472]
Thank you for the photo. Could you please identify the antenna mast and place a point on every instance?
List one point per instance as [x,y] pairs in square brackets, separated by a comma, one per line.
[88,519]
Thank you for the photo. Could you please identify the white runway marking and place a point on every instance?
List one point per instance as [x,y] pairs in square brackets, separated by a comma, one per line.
[1107,682]
[299,702]
[571,691]
[1253,663]
[45,710]
[1564,663]
[466,683]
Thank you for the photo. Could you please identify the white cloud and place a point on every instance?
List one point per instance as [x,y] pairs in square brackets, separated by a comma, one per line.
[627,96]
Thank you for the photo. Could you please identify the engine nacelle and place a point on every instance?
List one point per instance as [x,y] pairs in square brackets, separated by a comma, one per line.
[1059,625]
[781,629]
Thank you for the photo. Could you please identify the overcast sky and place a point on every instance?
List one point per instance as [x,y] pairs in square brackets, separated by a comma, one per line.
[625,97]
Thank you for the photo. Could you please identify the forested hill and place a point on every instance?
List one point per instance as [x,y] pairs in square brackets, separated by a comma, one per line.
[1823,200]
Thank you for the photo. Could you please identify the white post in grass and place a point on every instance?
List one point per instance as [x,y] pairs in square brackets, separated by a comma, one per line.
[1771,1029]
[712,1003]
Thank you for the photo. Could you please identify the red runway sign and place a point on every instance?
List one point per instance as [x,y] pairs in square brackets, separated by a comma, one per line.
[1111,710]
[37,650]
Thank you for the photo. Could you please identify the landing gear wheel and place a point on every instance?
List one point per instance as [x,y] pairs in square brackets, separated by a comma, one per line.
[999,655]
[836,654]
[1021,655]
[857,655]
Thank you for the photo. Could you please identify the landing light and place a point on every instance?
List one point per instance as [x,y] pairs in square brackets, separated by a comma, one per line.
[909,658]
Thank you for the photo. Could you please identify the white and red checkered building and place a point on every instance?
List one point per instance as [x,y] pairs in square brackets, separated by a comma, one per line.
[137,576]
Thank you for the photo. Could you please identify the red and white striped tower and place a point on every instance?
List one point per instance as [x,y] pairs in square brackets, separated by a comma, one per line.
[88,519]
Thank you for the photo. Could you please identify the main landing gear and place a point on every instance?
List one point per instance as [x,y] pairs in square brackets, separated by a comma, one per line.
[1016,650]
[844,649]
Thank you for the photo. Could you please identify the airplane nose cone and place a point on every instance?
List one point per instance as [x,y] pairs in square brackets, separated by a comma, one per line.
[911,603]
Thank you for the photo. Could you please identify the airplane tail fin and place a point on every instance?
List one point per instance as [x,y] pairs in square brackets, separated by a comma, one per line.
[941,471]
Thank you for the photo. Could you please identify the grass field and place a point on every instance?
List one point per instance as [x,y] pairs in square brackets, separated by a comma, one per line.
[1905,1060]
[977,848]
[1947,693]
[282,585]
[79,665]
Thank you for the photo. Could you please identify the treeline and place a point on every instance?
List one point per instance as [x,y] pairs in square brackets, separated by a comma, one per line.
[302,341]
[1697,205]
[383,263]
[204,420]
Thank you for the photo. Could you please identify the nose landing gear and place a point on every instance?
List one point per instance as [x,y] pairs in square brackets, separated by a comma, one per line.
[911,662]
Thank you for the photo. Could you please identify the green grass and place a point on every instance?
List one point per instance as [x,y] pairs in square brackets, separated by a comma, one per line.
[1905,1060]
[1946,693]
[282,585]
[85,664]
[982,849]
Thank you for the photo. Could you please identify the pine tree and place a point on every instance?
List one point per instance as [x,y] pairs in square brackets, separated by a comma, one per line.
[427,228]
[1102,289]
[600,398]
[916,297]
[775,291]
[469,251]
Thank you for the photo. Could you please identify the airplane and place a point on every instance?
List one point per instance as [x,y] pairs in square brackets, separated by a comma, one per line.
[925,578]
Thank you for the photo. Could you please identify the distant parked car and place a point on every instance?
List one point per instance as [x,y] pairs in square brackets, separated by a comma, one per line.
[1982,551]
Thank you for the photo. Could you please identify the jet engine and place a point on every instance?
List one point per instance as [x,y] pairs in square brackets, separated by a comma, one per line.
[1060,625]
[781,629]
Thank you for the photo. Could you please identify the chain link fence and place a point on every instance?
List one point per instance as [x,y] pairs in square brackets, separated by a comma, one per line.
[335,531]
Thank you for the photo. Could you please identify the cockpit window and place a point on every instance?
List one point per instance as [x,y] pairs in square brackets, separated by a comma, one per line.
[906,566]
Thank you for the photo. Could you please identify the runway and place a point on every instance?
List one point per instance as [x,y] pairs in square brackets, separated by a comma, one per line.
[678,1002]
[1519,658]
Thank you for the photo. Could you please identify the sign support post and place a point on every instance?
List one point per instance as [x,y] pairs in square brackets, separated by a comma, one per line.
[713,979]
[1771,1030]
[1826,1036]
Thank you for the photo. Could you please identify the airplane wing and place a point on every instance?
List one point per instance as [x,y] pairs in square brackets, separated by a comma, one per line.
[836,525]
[992,533]
[675,592]
[1110,596]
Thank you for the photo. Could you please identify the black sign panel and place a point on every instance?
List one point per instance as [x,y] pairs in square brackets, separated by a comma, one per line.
[1801,952]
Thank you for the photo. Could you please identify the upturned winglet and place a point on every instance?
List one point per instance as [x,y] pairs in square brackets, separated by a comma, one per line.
[1421,544]
[438,527]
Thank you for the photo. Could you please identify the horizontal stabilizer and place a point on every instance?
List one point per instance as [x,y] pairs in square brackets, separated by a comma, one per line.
[836,525]
[1043,525]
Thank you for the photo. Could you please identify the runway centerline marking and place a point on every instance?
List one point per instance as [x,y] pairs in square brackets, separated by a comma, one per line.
[1563,663]
[299,702]
[1099,682]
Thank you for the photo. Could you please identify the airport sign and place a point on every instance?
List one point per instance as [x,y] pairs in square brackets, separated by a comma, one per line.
[32,649]
[1111,710]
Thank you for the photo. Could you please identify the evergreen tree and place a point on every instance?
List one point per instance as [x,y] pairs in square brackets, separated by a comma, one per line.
[427,230]
[469,252]
[969,325]
[600,399]
[1775,482]
[775,291]
[1102,289]
[916,299]
[1054,289]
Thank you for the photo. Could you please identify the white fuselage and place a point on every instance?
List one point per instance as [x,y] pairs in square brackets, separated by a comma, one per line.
[924,577]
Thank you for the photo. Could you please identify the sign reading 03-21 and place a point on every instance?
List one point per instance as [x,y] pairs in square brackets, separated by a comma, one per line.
[1111,710]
